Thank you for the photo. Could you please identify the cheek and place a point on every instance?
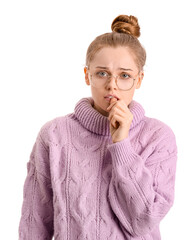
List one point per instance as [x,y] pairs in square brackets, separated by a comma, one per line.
[96,92]
[128,96]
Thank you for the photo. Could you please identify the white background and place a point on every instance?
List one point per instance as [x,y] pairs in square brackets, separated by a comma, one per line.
[42,55]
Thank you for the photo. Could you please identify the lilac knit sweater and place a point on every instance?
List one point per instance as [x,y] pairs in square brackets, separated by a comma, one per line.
[81,186]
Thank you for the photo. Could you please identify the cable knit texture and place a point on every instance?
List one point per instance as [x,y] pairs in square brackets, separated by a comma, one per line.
[82,186]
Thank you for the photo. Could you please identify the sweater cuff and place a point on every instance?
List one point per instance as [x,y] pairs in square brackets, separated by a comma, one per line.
[123,153]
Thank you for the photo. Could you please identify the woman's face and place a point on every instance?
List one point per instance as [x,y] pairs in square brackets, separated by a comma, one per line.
[110,60]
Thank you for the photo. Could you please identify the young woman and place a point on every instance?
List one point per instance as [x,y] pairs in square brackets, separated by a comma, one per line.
[105,171]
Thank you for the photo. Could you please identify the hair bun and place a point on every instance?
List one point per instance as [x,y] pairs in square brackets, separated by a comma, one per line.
[126,24]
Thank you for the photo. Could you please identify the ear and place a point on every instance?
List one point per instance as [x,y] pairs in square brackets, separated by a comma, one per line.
[86,76]
[139,81]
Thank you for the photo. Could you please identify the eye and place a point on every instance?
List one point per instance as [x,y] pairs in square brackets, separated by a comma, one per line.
[125,76]
[102,74]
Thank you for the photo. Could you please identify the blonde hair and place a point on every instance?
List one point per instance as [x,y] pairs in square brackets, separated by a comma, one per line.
[125,31]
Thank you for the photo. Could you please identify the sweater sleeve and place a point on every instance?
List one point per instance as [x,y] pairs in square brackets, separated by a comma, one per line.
[36,220]
[141,190]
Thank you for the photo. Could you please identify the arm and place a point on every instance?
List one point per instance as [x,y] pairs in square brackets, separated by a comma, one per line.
[37,210]
[141,192]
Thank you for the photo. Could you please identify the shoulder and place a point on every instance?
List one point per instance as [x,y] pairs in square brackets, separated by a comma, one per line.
[155,125]
[157,140]
[155,130]
[53,130]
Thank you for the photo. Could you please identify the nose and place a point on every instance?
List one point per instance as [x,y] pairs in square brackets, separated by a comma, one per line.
[112,82]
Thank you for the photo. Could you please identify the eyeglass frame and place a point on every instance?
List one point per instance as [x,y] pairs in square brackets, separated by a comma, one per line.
[111,75]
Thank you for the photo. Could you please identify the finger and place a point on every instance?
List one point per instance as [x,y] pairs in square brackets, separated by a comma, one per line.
[116,115]
[119,104]
[116,121]
[122,118]
[114,124]
[112,103]
[116,111]
[110,107]
[113,100]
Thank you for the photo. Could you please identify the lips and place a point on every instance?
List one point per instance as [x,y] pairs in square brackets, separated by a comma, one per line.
[109,96]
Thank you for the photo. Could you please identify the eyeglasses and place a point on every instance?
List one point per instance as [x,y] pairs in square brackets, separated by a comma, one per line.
[124,81]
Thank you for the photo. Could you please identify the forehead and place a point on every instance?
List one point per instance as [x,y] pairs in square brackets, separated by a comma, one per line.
[114,58]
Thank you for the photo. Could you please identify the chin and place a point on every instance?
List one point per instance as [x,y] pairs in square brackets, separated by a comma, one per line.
[101,109]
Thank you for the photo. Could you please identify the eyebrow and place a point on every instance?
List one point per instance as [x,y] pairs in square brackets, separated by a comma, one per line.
[125,69]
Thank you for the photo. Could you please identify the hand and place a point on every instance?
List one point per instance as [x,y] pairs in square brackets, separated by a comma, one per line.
[120,119]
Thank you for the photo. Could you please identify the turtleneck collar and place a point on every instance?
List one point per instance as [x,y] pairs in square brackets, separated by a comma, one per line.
[97,123]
